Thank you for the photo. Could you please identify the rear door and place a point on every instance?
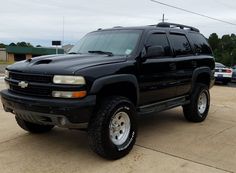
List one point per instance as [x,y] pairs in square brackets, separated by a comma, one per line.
[185,61]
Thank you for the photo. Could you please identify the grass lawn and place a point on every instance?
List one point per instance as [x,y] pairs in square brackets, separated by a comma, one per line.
[5,63]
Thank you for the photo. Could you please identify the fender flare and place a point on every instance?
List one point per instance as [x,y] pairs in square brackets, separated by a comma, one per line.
[199,71]
[99,83]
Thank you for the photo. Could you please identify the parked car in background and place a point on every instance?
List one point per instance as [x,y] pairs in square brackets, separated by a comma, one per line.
[234,74]
[222,73]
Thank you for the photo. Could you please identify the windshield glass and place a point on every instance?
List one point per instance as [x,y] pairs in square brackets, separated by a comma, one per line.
[117,42]
[219,65]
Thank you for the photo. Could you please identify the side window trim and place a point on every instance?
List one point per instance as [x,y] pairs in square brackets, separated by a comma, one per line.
[172,47]
[167,38]
[153,32]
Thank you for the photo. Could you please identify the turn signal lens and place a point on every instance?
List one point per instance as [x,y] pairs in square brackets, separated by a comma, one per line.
[79,94]
[7,85]
[69,94]
[6,74]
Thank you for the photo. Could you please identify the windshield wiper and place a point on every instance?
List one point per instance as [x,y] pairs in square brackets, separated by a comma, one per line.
[101,52]
[74,53]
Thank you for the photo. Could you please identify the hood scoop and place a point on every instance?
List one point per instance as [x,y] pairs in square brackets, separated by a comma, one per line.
[44,61]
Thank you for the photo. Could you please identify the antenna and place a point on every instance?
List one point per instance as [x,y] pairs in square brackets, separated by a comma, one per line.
[163,18]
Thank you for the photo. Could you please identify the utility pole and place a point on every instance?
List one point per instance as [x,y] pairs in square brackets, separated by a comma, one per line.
[63,29]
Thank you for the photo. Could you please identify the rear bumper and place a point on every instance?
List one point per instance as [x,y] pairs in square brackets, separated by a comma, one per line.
[61,112]
[223,79]
[222,76]
[233,79]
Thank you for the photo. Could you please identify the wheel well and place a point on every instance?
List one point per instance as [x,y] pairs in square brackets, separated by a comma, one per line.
[203,78]
[125,89]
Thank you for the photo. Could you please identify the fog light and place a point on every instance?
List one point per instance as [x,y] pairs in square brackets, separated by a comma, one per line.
[62,121]
[6,74]
[69,94]
[7,85]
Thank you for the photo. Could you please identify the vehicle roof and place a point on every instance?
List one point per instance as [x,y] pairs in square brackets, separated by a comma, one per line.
[161,26]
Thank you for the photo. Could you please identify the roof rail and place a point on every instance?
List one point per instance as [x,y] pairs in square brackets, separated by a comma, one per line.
[117,27]
[175,25]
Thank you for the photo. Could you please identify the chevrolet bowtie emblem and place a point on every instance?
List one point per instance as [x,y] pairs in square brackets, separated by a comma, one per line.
[23,84]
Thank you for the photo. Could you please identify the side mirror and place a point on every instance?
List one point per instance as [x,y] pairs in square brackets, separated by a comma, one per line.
[155,51]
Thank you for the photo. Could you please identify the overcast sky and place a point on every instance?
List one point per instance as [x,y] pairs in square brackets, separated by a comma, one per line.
[40,21]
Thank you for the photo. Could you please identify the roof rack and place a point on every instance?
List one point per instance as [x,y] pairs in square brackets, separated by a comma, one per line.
[175,25]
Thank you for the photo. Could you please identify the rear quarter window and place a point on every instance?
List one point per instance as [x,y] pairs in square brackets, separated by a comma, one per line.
[200,43]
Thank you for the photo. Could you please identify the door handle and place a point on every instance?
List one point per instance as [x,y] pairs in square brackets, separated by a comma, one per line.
[172,66]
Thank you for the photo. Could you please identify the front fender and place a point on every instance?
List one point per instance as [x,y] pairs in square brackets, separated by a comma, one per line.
[99,83]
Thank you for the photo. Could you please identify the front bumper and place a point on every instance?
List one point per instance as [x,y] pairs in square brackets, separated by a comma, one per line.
[62,112]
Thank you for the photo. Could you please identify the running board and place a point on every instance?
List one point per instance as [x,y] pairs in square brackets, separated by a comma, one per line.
[163,105]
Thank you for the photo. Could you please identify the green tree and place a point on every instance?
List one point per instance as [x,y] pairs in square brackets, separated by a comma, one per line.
[24,44]
[233,57]
[12,44]
[224,48]
[2,45]
[226,43]
[29,45]
[214,41]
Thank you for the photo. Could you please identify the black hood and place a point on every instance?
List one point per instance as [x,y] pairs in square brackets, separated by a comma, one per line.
[63,64]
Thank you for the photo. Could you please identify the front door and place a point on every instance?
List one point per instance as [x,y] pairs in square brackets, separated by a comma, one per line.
[157,74]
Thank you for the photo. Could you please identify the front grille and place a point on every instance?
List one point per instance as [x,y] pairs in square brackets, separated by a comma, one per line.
[34,81]
[31,91]
[30,77]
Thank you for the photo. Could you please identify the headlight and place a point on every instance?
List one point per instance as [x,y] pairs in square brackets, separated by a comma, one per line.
[69,94]
[74,80]
[6,74]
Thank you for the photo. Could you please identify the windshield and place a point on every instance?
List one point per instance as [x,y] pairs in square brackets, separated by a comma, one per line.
[116,42]
[219,65]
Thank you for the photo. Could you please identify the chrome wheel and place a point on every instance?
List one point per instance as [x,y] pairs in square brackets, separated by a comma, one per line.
[119,128]
[202,103]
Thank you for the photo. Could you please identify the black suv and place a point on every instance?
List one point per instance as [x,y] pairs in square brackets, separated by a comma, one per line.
[108,78]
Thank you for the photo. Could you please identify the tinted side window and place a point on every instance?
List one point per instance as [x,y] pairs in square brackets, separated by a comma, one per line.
[180,44]
[201,45]
[157,39]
